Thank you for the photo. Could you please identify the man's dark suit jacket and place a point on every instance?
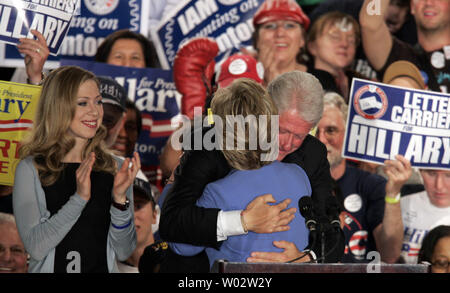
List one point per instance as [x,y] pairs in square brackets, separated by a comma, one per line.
[182,221]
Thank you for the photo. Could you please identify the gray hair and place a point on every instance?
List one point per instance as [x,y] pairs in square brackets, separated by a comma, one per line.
[7,219]
[298,90]
[335,100]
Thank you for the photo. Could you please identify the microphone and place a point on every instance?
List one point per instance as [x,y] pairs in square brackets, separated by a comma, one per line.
[305,205]
[332,209]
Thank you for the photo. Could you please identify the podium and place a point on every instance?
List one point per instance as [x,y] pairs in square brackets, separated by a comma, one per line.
[222,266]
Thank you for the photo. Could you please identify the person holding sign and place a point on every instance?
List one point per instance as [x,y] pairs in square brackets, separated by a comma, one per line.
[72,199]
[279,37]
[371,218]
[36,53]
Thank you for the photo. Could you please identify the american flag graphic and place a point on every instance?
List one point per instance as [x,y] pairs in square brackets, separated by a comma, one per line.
[15,125]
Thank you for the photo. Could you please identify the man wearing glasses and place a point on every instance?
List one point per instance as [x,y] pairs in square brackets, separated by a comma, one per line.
[371,214]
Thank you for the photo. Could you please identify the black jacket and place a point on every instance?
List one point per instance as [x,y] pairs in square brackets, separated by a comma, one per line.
[182,221]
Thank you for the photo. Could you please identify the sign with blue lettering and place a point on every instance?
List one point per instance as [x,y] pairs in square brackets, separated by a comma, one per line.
[229,22]
[51,18]
[385,120]
[88,28]
[155,95]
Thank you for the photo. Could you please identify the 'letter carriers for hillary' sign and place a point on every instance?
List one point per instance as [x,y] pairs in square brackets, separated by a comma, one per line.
[386,120]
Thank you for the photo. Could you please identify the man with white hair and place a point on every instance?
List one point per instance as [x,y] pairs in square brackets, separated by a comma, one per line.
[13,257]
[298,97]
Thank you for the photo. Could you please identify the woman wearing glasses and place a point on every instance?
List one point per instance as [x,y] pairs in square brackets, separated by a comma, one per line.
[279,37]
[436,249]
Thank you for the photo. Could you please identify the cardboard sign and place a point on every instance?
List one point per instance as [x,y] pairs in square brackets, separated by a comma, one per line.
[94,21]
[228,22]
[386,120]
[18,103]
[52,19]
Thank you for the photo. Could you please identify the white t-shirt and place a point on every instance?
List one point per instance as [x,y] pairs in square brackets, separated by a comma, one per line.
[419,217]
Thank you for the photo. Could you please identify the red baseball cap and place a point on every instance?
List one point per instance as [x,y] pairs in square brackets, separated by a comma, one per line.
[272,10]
[238,66]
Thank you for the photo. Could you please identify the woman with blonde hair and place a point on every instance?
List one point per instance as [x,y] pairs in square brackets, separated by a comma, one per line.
[71,197]
[248,139]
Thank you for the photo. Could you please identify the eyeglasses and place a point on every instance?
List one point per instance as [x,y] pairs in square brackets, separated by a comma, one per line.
[441,263]
[330,132]
[14,250]
[336,37]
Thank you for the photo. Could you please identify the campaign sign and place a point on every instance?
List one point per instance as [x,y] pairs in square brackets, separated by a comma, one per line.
[51,18]
[154,94]
[18,103]
[88,28]
[228,22]
[385,120]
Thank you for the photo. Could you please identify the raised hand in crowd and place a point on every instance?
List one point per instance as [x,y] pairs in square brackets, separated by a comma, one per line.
[36,53]
[398,171]
[390,234]
[125,177]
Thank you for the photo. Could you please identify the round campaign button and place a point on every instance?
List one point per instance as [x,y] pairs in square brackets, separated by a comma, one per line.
[237,67]
[260,70]
[101,7]
[438,60]
[353,203]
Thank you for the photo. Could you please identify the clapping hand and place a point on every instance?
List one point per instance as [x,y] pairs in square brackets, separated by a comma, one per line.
[125,177]
[83,177]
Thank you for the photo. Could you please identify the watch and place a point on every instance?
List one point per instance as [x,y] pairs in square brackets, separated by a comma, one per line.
[121,206]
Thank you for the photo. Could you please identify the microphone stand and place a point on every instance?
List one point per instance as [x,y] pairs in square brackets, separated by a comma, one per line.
[322,244]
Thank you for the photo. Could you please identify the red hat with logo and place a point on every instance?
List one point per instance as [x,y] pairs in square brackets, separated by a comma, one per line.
[272,10]
[239,66]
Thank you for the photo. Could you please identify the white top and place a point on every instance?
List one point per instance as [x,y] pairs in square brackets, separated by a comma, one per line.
[419,217]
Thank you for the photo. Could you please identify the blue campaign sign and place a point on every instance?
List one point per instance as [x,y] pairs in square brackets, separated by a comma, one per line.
[154,94]
[51,18]
[385,120]
[228,22]
[88,28]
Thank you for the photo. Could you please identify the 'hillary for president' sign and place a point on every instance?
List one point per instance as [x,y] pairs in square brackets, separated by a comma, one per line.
[386,120]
